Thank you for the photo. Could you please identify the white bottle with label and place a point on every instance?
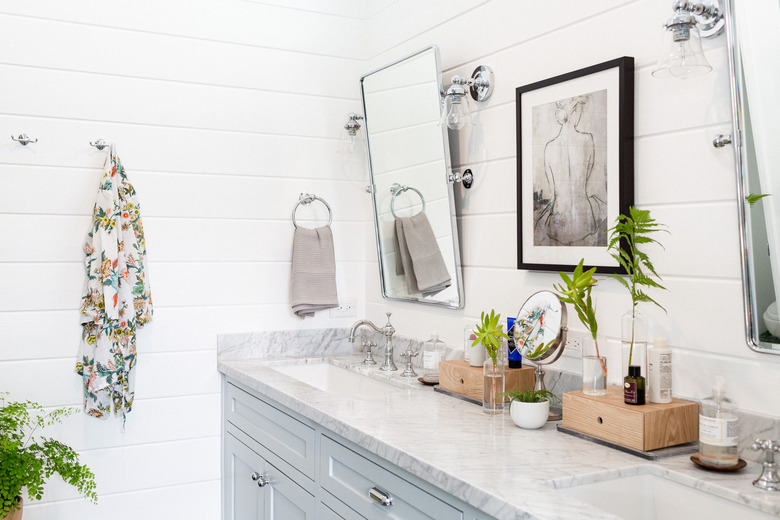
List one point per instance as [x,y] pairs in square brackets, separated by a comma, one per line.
[718,429]
[433,353]
[659,372]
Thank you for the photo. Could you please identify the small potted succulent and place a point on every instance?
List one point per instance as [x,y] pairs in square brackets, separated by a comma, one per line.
[530,408]
[27,461]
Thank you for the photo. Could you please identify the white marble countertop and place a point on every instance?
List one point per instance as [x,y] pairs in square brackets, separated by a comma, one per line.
[484,460]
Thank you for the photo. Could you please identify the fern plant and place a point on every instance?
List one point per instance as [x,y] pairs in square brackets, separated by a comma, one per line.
[27,461]
[625,238]
[576,291]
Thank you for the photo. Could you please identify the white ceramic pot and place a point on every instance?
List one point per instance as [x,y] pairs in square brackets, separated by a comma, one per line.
[529,415]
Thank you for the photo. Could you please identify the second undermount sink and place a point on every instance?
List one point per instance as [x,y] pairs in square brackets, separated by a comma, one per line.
[335,380]
[649,497]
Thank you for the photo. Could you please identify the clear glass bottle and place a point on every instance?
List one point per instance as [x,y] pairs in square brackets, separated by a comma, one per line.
[433,353]
[493,383]
[634,331]
[718,429]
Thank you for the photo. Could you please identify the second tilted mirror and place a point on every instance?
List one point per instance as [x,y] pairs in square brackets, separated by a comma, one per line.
[414,211]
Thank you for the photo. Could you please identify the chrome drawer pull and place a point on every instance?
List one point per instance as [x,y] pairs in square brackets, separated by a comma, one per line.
[382,497]
[261,480]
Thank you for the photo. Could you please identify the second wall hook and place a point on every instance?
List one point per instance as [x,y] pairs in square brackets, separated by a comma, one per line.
[100,143]
[24,139]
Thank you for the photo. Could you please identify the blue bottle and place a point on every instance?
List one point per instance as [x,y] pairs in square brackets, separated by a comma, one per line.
[515,358]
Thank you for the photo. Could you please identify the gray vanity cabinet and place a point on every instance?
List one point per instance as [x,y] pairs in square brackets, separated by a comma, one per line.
[308,472]
[257,490]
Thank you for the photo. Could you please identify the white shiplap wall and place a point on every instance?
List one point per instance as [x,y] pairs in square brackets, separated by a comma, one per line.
[679,176]
[223,112]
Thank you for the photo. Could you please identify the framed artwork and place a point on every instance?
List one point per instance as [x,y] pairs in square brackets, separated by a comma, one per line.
[575,166]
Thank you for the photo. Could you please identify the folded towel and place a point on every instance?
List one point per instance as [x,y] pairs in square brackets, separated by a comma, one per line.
[313,278]
[421,258]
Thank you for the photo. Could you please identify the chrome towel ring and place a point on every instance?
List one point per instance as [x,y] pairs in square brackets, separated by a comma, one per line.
[396,189]
[308,198]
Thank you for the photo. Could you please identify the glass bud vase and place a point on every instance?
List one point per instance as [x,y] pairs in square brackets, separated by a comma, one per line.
[594,366]
[633,342]
[493,378]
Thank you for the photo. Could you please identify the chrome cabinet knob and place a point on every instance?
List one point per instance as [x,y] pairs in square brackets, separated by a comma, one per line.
[261,480]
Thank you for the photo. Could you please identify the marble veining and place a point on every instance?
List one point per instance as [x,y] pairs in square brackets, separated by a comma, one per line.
[485,460]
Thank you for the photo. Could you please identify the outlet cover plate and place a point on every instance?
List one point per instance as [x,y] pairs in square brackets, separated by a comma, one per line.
[573,344]
[344,310]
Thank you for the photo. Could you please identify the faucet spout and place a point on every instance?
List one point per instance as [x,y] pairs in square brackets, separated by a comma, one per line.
[359,324]
[387,331]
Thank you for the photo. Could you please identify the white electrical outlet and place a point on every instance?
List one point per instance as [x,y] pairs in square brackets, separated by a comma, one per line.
[573,345]
[344,310]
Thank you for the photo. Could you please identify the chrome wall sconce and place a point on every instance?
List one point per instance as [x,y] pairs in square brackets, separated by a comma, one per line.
[351,137]
[456,112]
[681,55]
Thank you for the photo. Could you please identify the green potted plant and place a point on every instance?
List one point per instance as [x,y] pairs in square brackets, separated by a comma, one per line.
[575,290]
[625,238]
[27,461]
[489,333]
[530,408]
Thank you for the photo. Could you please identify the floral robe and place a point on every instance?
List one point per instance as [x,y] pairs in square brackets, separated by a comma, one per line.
[116,297]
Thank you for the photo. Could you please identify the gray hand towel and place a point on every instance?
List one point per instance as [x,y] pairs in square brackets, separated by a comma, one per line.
[424,261]
[313,278]
[403,261]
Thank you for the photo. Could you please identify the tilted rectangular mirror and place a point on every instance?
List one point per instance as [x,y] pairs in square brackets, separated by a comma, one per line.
[409,164]
[756,80]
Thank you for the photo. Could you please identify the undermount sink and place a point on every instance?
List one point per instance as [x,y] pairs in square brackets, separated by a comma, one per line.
[648,497]
[335,380]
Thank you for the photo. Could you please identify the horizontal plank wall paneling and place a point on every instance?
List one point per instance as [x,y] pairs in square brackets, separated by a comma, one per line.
[688,184]
[223,112]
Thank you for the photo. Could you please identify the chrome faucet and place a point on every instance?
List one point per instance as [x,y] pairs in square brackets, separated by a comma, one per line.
[769,479]
[387,331]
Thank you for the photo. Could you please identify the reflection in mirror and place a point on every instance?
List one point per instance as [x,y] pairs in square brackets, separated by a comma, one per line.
[540,331]
[755,40]
[414,212]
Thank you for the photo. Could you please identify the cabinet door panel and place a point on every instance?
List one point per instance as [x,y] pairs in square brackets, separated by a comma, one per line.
[286,499]
[244,499]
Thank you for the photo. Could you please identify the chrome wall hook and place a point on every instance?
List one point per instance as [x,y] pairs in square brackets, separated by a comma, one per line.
[721,140]
[24,139]
[100,143]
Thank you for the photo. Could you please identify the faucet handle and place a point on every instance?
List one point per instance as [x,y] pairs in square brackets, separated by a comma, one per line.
[366,347]
[769,479]
[409,372]
[768,446]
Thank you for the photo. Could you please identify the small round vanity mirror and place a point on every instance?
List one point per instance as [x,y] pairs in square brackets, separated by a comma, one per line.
[540,334]
[540,328]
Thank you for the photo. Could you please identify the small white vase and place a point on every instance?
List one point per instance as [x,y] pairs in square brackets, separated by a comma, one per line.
[529,415]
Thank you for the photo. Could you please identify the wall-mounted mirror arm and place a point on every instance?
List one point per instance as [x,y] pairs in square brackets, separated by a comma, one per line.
[466,178]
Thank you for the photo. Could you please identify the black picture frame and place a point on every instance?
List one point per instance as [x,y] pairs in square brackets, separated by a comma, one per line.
[586,168]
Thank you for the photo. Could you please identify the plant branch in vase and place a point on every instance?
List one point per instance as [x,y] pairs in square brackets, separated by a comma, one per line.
[625,238]
[489,333]
[576,291]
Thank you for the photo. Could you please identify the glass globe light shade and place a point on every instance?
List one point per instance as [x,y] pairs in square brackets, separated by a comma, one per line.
[681,56]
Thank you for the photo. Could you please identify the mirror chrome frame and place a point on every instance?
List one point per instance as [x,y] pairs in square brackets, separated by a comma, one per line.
[741,167]
[445,179]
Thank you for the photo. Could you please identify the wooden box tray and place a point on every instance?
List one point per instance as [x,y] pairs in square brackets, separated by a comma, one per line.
[646,427]
[456,375]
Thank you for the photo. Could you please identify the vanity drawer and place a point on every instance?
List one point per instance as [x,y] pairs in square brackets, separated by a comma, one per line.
[283,435]
[352,478]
